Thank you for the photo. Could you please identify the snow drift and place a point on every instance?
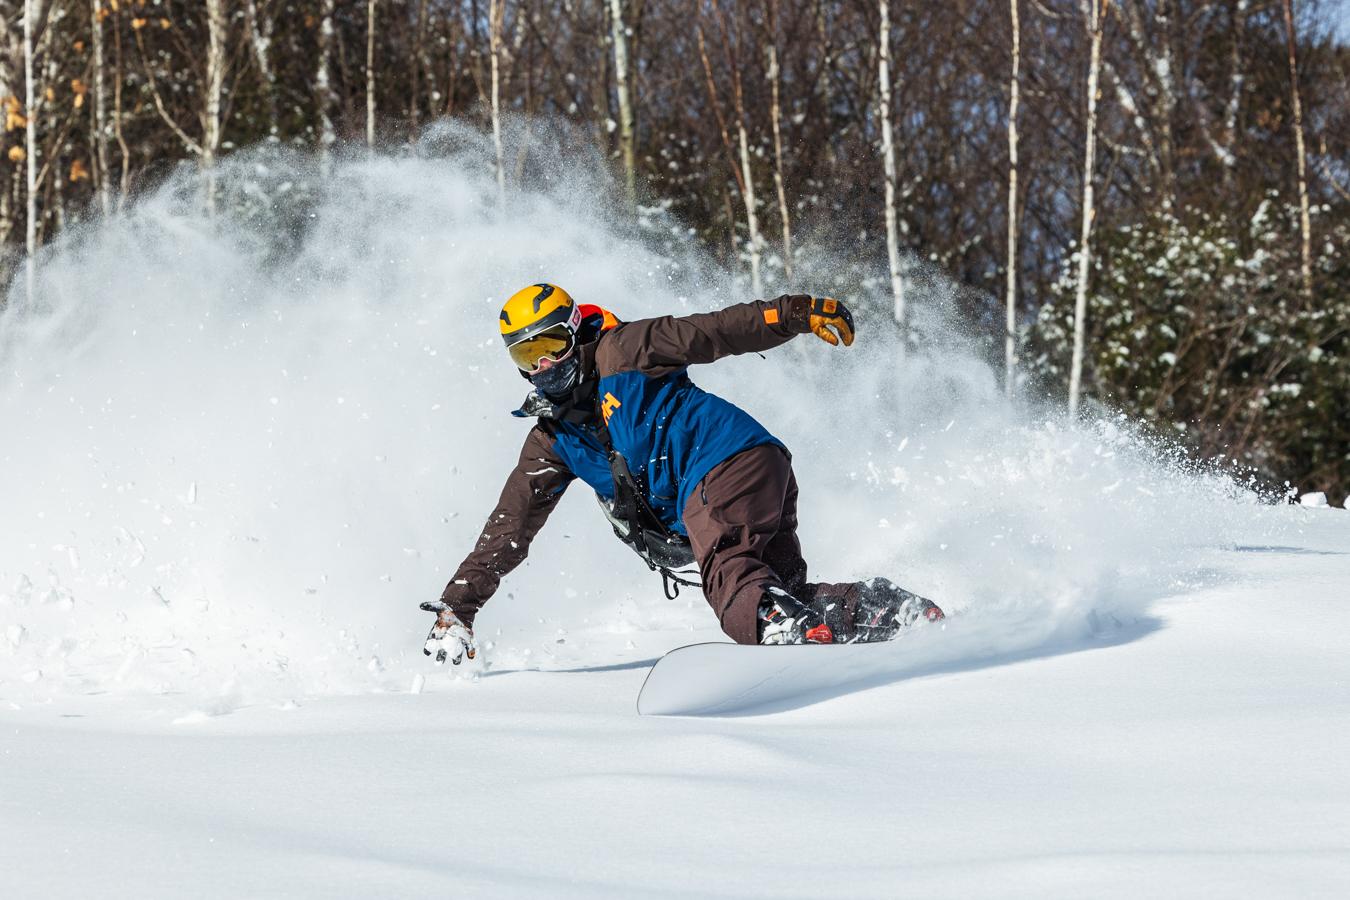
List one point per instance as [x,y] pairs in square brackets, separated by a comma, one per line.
[240,449]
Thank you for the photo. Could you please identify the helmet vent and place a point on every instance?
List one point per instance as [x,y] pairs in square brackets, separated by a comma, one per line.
[545,291]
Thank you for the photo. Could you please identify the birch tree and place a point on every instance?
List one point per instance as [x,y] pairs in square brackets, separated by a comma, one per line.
[30,12]
[370,73]
[776,117]
[323,81]
[1096,27]
[50,179]
[119,79]
[1152,39]
[100,110]
[889,171]
[10,52]
[416,68]
[1223,144]
[495,15]
[1305,223]
[744,175]
[1014,89]
[748,178]
[216,25]
[627,145]
[260,31]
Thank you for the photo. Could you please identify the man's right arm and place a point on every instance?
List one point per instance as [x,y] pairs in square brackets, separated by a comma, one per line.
[666,344]
[532,491]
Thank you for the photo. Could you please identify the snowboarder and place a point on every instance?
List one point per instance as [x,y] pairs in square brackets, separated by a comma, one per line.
[684,476]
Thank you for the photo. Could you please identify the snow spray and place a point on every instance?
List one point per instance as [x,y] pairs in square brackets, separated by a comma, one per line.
[241,448]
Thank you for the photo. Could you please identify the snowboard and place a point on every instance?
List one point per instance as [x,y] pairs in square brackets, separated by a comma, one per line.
[726,679]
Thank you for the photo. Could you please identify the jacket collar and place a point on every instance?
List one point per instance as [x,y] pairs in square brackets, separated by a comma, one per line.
[580,407]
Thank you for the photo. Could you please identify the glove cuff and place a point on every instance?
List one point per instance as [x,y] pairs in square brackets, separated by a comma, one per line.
[797,312]
[461,599]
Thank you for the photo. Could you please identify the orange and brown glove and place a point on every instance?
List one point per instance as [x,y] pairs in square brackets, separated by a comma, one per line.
[826,314]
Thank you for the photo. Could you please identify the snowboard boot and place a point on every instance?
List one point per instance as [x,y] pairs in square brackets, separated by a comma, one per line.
[783,619]
[884,610]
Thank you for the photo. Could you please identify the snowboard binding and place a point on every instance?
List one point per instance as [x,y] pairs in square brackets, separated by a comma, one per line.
[884,610]
[783,619]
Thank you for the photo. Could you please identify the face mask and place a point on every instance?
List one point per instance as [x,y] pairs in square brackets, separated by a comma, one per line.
[557,381]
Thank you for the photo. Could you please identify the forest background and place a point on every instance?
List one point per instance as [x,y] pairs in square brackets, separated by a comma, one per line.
[1145,203]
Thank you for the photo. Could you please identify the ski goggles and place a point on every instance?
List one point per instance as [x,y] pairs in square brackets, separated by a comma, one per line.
[552,344]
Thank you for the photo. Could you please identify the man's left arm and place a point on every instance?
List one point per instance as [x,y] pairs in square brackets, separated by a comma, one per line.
[658,346]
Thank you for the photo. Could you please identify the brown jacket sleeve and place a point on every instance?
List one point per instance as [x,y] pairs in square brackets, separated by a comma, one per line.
[532,490]
[660,346]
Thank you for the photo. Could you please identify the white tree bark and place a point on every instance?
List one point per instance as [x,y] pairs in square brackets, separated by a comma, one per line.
[30,12]
[776,116]
[1014,90]
[124,150]
[100,109]
[370,73]
[1096,28]
[55,216]
[323,83]
[216,25]
[1236,81]
[1305,221]
[627,138]
[419,65]
[1224,144]
[260,38]
[11,50]
[1154,48]
[889,169]
[751,216]
[495,15]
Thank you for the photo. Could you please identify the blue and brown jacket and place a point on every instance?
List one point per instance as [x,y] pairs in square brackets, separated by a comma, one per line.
[636,396]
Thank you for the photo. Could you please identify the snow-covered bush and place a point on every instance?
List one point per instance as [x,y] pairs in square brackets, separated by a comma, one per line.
[1201,324]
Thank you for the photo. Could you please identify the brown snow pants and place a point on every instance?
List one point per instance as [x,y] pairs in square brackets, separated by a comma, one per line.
[742,523]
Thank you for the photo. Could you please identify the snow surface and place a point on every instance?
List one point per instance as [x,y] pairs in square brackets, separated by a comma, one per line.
[1201,755]
[239,452]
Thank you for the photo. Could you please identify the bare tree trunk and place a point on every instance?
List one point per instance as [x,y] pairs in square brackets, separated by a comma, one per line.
[495,15]
[10,50]
[419,45]
[751,216]
[370,73]
[1159,69]
[260,37]
[1305,222]
[124,183]
[216,24]
[100,109]
[323,82]
[30,11]
[1164,68]
[747,174]
[743,173]
[776,116]
[1236,82]
[600,95]
[53,219]
[1096,26]
[627,146]
[1014,90]
[888,163]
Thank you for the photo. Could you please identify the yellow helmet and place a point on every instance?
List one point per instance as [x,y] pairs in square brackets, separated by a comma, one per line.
[539,322]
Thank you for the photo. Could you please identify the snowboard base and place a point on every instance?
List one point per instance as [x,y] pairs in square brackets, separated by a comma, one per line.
[726,679]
